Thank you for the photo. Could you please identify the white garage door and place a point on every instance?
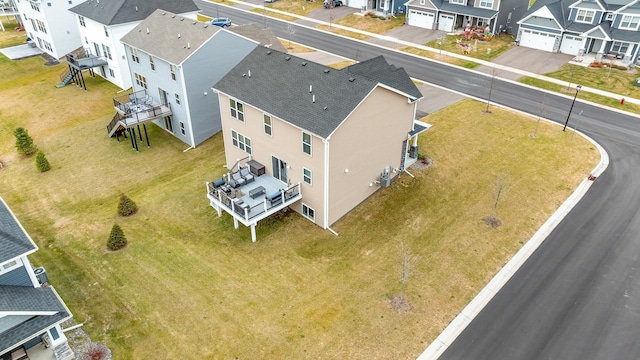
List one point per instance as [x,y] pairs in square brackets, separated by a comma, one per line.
[537,40]
[446,22]
[421,19]
[571,45]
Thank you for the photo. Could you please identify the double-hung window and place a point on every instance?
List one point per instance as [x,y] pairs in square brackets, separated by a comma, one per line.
[141,80]
[240,141]
[585,16]
[629,22]
[267,125]
[306,175]
[134,55]
[306,143]
[151,63]
[237,109]
[619,47]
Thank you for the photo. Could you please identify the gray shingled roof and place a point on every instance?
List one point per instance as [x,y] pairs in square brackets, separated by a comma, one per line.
[279,84]
[28,299]
[170,37]
[113,12]
[14,241]
[255,32]
[378,69]
[468,10]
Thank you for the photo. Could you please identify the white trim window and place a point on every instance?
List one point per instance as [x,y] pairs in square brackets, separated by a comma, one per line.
[609,16]
[629,22]
[486,4]
[268,125]
[134,55]
[106,31]
[241,142]
[306,143]
[585,16]
[459,2]
[152,63]
[306,175]
[308,212]
[140,80]
[81,20]
[107,51]
[182,129]
[173,72]
[619,47]
[177,98]
[237,109]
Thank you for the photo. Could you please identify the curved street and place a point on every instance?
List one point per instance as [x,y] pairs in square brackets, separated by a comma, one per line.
[578,295]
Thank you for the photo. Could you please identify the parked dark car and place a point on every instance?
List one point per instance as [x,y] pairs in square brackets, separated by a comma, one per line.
[332,3]
[222,22]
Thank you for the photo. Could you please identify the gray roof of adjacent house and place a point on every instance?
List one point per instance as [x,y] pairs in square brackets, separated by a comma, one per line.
[28,302]
[468,10]
[114,12]
[14,241]
[255,32]
[378,69]
[168,36]
[308,95]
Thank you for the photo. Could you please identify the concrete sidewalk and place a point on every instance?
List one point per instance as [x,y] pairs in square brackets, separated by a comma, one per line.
[20,52]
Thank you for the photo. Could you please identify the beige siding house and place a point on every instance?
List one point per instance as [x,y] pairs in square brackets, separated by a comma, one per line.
[310,137]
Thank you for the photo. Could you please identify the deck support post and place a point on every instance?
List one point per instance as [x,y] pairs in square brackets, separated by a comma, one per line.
[235,223]
[146,135]
[253,232]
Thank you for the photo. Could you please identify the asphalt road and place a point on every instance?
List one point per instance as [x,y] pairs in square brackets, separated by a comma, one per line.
[578,295]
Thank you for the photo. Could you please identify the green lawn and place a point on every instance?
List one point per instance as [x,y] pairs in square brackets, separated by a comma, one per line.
[483,50]
[189,286]
[371,24]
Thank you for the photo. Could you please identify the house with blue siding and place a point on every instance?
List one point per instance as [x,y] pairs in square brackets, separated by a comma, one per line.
[173,60]
[603,27]
[448,15]
[30,309]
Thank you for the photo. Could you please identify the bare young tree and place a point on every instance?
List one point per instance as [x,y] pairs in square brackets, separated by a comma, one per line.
[400,303]
[501,189]
[290,30]
[543,110]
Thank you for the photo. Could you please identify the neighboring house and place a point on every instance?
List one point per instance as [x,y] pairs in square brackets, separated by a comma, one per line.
[449,15]
[383,7]
[316,139]
[579,27]
[101,25]
[50,25]
[30,309]
[9,10]
[174,60]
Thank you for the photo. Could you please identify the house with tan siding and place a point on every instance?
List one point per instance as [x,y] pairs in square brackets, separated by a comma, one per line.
[313,138]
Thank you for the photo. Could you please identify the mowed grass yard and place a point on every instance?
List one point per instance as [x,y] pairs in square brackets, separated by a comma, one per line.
[189,286]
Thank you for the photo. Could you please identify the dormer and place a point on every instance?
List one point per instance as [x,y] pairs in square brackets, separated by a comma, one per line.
[586,12]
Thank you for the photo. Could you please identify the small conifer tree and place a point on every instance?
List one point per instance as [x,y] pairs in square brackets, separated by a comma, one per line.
[127,206]
[42,163]
[117,240]
[24,142]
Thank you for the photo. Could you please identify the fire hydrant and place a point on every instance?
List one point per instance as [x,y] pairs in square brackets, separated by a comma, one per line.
[622,101]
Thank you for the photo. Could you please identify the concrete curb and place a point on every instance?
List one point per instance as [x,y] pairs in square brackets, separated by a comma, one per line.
[460,322]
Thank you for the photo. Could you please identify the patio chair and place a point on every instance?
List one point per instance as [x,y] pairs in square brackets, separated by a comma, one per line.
[248,176]
[237,180]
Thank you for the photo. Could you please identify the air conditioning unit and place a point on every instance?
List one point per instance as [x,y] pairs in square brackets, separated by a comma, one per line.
[41,275]
[385,178]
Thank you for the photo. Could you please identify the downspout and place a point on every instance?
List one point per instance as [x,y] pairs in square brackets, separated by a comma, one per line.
[326,182]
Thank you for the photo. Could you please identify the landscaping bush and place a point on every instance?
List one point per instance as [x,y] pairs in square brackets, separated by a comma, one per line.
[117,240]
[42,163]
[24,142]
[127,206]
[620,67]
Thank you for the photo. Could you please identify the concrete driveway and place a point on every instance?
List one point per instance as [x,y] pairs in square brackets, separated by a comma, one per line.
[531,60]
